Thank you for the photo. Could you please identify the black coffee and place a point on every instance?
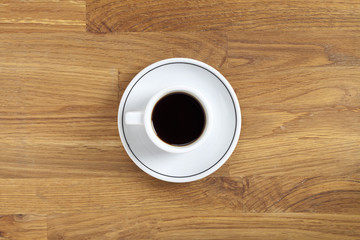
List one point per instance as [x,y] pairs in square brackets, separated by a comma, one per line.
[178,119]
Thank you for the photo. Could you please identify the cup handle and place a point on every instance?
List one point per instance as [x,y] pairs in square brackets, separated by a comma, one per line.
[134,118]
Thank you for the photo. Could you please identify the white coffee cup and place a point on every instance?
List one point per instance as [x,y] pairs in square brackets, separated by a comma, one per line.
[145,119]
[140,121]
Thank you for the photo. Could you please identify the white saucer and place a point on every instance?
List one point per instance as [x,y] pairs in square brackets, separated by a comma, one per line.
[218,146]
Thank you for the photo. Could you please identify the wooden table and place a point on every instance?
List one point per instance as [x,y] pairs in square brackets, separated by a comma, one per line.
[295,67]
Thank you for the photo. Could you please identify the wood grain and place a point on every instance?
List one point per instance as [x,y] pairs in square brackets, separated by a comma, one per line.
[42,16]
[294,66]
[304,86]
[67,195]
[59,109]
[130,193]
[80,64]
[181,224]
[231,15]
[20,226]
[295,194]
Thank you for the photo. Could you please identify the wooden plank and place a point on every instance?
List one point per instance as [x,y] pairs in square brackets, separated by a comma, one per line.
[75,68]
[299,93]
[66,141]
[277,51]
[84,194]
[184,15]
[296,194]
[131,193]
[42,16]
[175,223]
[23,226]
[298,146]
[40,84]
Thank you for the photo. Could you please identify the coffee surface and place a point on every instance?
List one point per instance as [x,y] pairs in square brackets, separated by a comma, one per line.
[178,119]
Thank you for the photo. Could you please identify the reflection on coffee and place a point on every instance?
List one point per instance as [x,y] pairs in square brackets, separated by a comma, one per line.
[178,119]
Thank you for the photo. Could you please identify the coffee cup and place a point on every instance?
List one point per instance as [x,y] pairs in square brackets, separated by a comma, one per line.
[176,119]
[179,120]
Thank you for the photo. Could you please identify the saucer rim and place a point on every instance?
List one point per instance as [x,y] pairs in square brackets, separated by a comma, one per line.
[208,170]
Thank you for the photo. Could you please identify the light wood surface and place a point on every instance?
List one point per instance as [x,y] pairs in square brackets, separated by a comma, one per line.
[294,65]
